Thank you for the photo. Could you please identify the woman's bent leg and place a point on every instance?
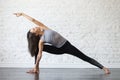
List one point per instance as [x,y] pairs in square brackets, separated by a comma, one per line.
[50,49]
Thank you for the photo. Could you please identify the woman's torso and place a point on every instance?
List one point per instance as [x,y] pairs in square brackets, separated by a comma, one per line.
[53,38]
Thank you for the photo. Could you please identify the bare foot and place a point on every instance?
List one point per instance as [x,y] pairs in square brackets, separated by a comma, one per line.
[107,71]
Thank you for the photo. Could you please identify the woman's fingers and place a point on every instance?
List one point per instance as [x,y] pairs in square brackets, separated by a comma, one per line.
[14,13]
[33,71]
[29,71]
[17,14]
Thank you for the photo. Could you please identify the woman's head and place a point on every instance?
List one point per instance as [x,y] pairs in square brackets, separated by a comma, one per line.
[36,30]
[33,41]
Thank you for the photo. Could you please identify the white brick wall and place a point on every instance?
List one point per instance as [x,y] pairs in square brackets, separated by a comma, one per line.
[93,26]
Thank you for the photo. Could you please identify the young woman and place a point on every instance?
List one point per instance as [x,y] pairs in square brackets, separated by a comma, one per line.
[39,36]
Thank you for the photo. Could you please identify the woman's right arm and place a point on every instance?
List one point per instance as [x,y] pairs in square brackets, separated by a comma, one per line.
[41,25]
[39,56]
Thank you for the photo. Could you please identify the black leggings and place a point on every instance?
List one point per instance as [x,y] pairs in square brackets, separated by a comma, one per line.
[70,49]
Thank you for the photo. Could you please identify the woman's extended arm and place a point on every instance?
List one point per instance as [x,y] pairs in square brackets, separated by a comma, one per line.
[41,25]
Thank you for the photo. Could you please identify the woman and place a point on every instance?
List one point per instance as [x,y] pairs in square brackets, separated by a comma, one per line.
[38,36]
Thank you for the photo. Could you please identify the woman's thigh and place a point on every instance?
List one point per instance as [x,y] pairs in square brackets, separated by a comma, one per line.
[72,50]
[52,49]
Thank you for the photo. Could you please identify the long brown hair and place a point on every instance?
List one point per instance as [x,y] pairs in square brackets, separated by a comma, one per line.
[33,41]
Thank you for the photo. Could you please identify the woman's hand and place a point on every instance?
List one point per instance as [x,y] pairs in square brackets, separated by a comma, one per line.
[18,14]
[34,70]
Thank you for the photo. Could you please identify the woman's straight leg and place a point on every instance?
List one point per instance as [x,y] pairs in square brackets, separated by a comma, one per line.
[70,49]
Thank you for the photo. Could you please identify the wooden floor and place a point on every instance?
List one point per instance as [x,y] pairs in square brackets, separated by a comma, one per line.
[59,74]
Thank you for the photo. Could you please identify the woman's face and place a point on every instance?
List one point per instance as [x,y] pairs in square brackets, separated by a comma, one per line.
[35,30]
